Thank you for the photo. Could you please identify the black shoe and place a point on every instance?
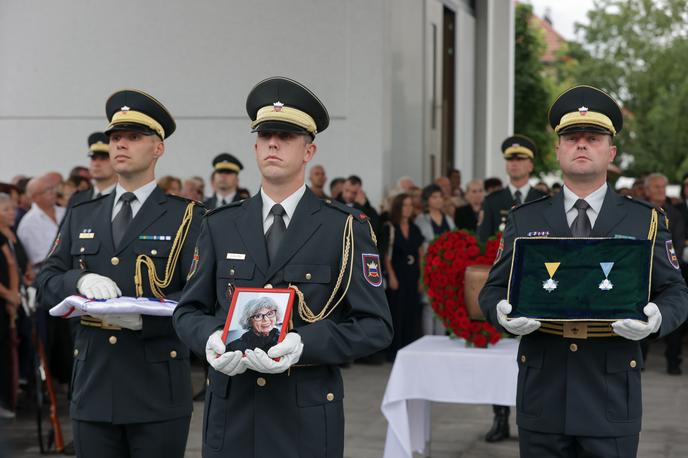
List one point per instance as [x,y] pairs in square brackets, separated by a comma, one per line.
[500,428]
[674,370]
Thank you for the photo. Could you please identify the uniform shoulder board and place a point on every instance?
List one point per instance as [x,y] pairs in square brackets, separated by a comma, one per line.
[530,202]
[186,200]
[357,214]
[645,204]
[225,207]
[90,201]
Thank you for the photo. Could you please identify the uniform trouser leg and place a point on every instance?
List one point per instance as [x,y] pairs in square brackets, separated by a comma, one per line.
[163,439]
[674,341]
[543,445]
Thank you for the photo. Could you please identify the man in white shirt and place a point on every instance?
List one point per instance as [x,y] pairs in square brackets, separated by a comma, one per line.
[39,226]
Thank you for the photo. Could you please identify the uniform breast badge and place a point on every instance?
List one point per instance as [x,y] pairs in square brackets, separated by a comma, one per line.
[550,284]
[606,285]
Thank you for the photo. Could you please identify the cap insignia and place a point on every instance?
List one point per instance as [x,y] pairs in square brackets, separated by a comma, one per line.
[125,108]
[277,106]
[583,111]
[515,145]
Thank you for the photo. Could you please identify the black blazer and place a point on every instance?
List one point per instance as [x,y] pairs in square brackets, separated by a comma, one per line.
[594,390]
[144,375]
[300,411]
[465,218]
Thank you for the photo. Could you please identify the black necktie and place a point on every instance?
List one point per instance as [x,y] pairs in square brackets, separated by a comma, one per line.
[275,234]
[581,226]
[222,202]
[517,197]
[123,218]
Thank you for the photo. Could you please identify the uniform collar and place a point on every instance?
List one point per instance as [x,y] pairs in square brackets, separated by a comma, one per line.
[594,199]
[289,204]
[141,193]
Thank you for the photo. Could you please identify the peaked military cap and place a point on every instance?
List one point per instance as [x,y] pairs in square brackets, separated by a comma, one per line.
[585,109]
[281,104]
[518,147]
[226,163]
[98,144]
[131,109]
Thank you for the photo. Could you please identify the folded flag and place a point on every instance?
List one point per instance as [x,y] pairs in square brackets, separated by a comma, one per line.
[73,306]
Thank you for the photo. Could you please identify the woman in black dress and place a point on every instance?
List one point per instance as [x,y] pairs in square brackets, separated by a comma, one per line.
[401,248]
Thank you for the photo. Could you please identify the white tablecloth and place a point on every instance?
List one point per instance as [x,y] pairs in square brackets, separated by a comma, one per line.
[436,368]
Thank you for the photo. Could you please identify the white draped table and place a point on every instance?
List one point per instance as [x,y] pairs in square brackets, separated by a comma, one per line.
[440,369]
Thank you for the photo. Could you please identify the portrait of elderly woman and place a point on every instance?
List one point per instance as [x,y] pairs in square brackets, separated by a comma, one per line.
[259,318]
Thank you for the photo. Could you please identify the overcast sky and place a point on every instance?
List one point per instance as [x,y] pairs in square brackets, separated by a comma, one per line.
[563,13]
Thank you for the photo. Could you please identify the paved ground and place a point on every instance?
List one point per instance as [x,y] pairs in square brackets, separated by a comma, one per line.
[457,430]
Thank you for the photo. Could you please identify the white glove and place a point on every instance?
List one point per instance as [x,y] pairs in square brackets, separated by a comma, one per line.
[95,286]
[128,321]
[636,329]
[518,326]
[288,351]
[229,363]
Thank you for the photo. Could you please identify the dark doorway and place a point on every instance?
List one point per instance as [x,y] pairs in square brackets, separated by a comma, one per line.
[448,89]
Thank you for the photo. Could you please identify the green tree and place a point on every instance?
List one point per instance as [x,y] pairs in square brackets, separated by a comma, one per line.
[635,50]
[532,98]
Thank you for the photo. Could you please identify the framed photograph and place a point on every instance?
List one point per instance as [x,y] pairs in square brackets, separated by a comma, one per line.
[257,318]
[570,279]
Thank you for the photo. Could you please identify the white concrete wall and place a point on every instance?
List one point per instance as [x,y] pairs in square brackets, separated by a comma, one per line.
[59,61]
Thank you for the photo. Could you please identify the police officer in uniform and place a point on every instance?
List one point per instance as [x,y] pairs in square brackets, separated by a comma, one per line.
[131,387]
[579,386]
[102,174]
[518,152]
[284,236]
[225,181]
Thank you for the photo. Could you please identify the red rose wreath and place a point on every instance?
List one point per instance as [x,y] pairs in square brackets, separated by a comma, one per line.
[443,275]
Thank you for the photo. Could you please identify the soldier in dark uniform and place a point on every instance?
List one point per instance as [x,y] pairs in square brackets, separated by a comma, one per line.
[581,396]
[284,236]
[225,182]
[102,174]
[131,387]
[518,152]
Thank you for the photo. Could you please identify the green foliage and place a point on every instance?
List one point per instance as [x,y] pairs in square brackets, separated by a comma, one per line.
[636,50]
[532,97]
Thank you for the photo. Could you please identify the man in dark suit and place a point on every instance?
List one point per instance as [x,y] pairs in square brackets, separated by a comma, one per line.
[131,387]
[353,196]
[518,152]
[579,387]
[225,182]
[103,176]
[287,401]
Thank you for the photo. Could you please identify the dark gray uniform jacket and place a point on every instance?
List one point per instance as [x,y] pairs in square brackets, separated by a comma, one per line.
[593,390]
[123,376]
[495,208]
[298,413]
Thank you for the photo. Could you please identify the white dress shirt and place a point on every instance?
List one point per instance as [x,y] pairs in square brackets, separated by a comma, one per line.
[525,189]
[228,198]
[37,231]
[141,195]
[289,204]
[594,199]
[104,192]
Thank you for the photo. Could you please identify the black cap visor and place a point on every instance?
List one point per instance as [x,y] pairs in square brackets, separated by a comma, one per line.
[584,128]
[131,127]
[280,126]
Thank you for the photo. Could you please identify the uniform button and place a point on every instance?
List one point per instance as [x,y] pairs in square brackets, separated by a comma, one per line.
[268,286]
[154,252]
[76,352]
[573,347]
[260,381]
[231,271]
[112,340]
[633,364]
[173,354]
[82,249]
[523,358]
[308,276]
[114,261]
[330,397]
